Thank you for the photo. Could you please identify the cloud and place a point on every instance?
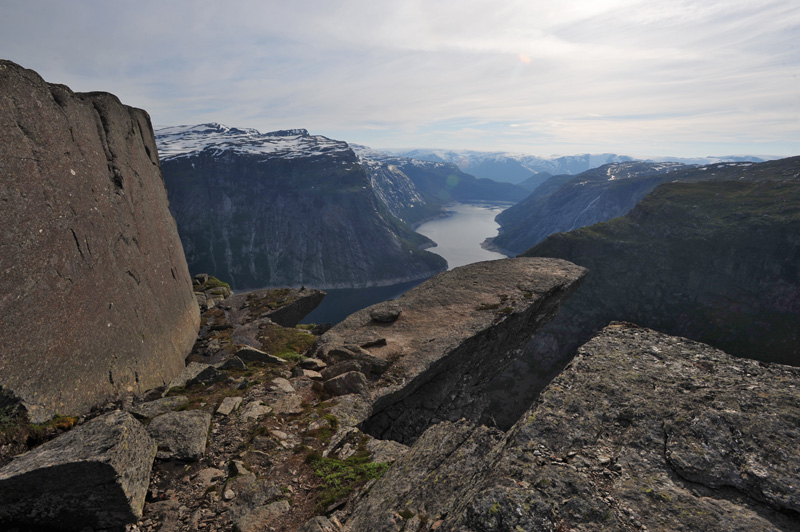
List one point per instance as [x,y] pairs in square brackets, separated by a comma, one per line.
[589,75]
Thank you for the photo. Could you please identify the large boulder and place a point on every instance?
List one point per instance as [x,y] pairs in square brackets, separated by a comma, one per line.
[96,296]
[94,476]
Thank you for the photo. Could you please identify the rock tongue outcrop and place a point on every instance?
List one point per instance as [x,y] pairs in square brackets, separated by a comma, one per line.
[642,431]
[450,336]
[97,299]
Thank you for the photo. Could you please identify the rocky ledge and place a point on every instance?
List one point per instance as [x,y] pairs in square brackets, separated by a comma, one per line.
[404,365]
[642,431]
[255,434]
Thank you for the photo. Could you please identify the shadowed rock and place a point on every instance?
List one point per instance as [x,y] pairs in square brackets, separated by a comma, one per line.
[93,268]
[95,475]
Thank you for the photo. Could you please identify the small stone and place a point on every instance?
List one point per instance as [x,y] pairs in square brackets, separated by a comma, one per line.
[283,385]
[313,375]
[314,364]
[347,383]
[255,410]
[289,404]
[228,405]
[279,434]
[208,477]
[233,363]
[237,467]
[251,354]
[228,495]
[386,312]
[180,435]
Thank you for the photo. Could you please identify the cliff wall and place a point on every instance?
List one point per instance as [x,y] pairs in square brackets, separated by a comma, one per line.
[95,296]
[716,262]
[301,211]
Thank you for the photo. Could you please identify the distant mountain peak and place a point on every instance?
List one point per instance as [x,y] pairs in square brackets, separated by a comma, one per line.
[187,140]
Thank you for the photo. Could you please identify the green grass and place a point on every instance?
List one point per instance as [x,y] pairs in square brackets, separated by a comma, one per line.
[289,344]
[212,282]
[341,477]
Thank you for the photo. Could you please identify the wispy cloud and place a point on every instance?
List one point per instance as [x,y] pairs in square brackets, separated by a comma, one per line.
[632,76]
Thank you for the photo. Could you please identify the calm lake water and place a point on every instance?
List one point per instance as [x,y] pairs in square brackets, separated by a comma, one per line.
[458,238]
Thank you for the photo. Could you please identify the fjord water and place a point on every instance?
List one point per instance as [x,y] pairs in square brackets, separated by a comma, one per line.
[458,237]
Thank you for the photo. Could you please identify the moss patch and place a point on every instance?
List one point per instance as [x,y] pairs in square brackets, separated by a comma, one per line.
[341,477]
[289,344]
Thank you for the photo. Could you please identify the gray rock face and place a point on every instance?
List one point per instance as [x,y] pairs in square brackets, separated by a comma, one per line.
[94,476]
[455,332]
[87,237]
[346,383]
[641,431]
[181,435]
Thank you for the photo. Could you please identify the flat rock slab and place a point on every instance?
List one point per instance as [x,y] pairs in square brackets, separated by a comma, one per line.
[251,354]
[255,410]
[159,406]
[95,476]
[289,404]
[455,332]
[284,306]
[181,435]
[228,405]
[283,385]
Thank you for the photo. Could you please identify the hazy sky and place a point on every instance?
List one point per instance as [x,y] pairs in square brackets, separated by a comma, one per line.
[639,77]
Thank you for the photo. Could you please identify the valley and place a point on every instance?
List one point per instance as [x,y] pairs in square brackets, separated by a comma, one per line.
[635,369]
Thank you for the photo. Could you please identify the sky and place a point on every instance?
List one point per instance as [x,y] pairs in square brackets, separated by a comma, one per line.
[634,77]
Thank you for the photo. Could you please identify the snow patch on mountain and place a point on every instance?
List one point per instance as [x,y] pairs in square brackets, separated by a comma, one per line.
[184,141]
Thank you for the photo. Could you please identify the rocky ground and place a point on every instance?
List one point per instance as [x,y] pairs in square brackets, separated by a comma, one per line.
[267,464]
[641,432]
[240,438]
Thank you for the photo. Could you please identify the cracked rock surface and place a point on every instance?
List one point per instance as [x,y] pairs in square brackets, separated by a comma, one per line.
[642,431]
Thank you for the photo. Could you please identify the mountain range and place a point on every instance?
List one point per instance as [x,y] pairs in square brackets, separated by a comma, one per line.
[531,170]
[284,209]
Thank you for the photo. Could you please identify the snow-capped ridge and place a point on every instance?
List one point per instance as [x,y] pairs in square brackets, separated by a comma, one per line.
[188,140]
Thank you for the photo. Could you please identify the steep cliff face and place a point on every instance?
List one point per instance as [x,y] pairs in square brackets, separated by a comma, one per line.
[284,209]
[566,202]
[716,262]
[643,431]
[97,299]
